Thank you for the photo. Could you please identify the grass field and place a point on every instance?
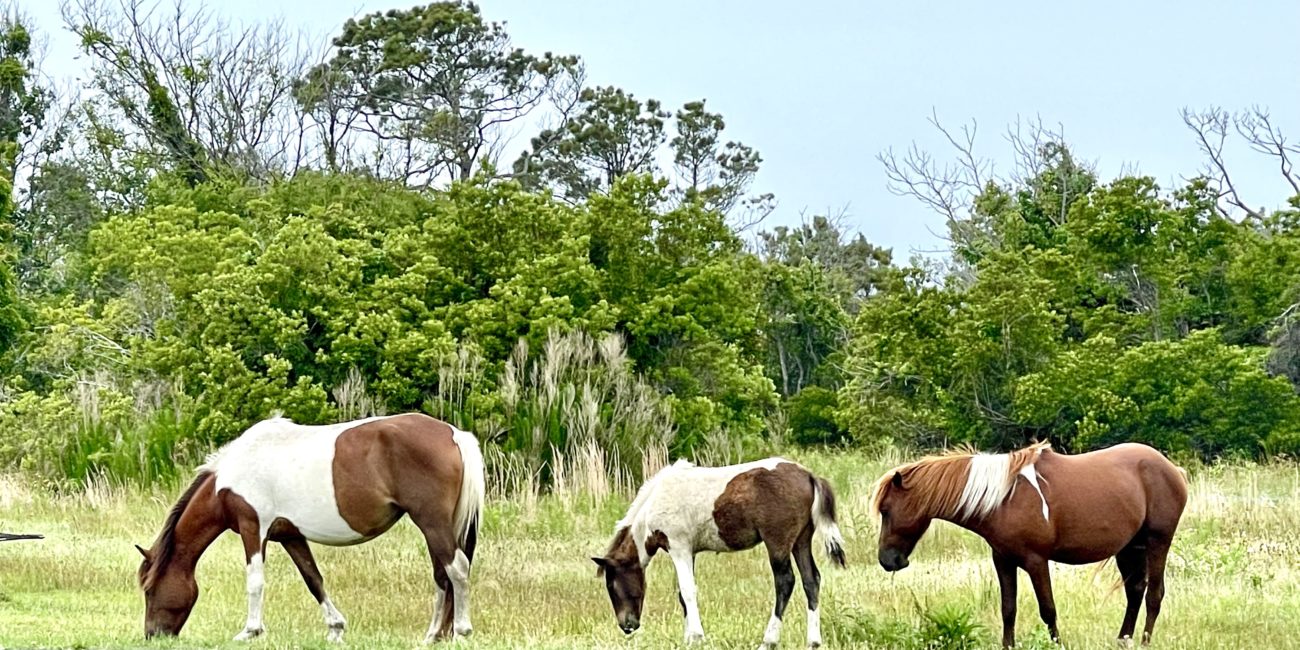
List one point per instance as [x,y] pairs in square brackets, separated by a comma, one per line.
[1234,578]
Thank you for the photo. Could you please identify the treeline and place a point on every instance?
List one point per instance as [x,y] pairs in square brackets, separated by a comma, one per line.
[221,224]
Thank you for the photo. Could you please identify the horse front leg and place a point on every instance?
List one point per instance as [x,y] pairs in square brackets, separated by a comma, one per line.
[684,564]
[255,581]
[1006,568]
[300,552]
[1040,577]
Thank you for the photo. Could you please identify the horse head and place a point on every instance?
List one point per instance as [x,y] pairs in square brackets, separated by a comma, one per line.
[903,520]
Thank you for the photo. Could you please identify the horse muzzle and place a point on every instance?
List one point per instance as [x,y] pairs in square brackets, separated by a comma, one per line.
[893,560]
[629,625]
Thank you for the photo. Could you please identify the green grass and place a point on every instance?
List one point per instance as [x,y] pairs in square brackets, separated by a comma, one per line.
[1234,579]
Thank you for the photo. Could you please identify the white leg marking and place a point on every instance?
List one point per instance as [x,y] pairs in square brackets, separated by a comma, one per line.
[256,580]
[772,637]
[814,628]
[436,624]
[683,562]
[333,620]
[458,571]
[1032,476]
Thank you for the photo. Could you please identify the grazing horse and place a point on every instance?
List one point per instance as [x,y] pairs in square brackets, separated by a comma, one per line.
[685,509]
[337,484]
[1033,506]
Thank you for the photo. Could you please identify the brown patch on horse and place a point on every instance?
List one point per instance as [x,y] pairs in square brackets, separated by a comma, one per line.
[940,480]
[381,464]
[656,541]
[747,511]
[160,554]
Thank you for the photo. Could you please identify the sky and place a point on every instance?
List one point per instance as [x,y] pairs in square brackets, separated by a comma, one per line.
[820,89]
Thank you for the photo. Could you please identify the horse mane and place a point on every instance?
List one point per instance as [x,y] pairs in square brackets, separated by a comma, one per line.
[165,546]
[961,484]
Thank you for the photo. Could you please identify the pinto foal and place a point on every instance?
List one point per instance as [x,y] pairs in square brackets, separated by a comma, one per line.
[1033,506]
[685,509]
[339,485]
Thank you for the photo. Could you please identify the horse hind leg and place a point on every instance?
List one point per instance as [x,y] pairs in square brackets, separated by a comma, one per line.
[300,552]
[451,579]
[803,558]
[1157,552]
[783,579]
[1132,564]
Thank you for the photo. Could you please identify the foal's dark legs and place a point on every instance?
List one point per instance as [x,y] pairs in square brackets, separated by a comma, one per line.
[783,577]
[1006,568]
[302,558]
[1040,576]
[1132,564]
[803,558]
[1157,552]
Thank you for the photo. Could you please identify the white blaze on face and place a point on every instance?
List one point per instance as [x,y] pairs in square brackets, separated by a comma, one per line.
[286,470]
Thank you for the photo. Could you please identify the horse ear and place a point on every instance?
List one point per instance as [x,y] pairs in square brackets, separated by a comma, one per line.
[143,552]
[897,481]
[601,565]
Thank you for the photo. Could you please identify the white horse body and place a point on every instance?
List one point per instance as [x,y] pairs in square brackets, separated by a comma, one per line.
[277,458]
[679,501]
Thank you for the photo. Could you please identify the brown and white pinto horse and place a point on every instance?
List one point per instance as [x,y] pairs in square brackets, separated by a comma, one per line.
[685,509]
[1034,506]
[337,484]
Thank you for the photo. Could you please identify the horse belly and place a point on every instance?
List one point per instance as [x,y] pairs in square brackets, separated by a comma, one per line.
[307,500]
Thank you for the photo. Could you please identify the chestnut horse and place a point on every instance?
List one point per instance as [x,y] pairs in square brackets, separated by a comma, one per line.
[685,509]
[1122,502]
[337,484]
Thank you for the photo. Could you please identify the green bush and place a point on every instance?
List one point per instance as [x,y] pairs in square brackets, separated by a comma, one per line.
[811,414]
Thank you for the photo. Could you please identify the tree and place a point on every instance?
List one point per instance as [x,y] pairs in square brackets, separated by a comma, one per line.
[194,91]
[23,104]
[614,134]
[437,87]
[716,174]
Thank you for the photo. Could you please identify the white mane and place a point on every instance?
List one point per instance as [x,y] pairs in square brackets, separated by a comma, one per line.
[637,509]
[990,482]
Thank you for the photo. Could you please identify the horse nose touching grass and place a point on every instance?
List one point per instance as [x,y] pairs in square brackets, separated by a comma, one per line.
[893,560]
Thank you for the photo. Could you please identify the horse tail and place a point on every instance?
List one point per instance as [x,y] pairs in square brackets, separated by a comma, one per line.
[823,516]
[469,506]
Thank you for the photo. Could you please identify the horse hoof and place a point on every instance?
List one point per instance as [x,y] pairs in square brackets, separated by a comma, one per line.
[694,637]
[249,635]
[334,636]
[463,631]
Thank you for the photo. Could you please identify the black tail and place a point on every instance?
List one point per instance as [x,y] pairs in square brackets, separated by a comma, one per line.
[9,537]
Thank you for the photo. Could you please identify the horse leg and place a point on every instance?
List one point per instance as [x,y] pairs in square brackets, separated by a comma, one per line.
[803,558]
[450,569]
[783,577]
[1132,563]
[300,552]
[684,564]
[1157,551]
[252,537]
[1040,576]
[1006,568]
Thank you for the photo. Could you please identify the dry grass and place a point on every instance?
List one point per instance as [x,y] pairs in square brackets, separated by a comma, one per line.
[1233,575]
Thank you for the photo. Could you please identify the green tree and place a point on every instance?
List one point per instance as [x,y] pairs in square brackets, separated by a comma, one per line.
[439,81]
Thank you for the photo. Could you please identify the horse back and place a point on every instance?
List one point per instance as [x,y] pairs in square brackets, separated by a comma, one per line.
[1102,499]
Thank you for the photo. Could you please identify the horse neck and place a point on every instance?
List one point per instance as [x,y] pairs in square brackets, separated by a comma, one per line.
[200,523]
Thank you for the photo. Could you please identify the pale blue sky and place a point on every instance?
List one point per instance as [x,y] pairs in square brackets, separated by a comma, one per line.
[821,88]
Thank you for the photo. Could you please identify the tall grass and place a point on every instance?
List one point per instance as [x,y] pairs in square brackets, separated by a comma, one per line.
[573,417]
